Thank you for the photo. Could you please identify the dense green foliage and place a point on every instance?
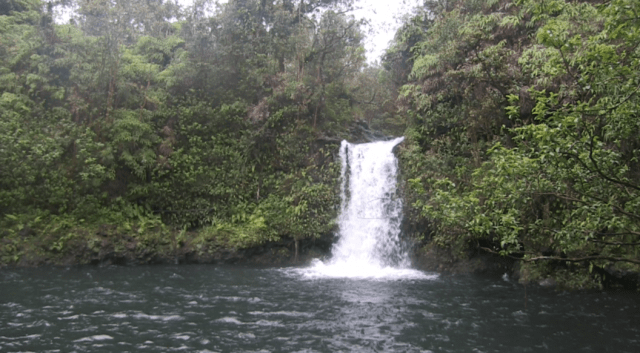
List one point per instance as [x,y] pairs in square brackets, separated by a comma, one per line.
[153,119]
[523,132]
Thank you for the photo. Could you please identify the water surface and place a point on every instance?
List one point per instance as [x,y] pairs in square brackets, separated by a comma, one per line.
[203,308]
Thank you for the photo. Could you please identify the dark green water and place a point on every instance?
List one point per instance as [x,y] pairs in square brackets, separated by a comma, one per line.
[236,309]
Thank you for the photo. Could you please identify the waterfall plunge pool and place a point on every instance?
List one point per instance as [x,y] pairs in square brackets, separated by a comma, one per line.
[200,308]
[366,298]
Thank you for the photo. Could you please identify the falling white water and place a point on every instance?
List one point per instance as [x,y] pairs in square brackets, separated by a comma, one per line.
[369,223]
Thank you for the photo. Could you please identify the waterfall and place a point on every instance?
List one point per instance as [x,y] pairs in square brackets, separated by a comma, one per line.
[371,211]
[368,243]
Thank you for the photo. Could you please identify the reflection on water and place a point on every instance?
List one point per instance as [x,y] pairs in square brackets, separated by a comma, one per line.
[372,315]
[234,309]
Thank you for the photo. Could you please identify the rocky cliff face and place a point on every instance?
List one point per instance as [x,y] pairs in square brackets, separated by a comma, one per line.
[361,132]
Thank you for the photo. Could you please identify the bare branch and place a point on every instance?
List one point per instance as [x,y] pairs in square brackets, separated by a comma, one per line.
[566,259]
[613,243]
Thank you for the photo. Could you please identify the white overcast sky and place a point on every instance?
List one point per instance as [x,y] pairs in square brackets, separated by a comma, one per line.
[385,19]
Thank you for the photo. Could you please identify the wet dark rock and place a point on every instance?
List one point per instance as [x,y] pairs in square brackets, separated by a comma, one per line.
[548,282]
[361,132]
[434,259]
[27,232]
[106,230]
[616,279]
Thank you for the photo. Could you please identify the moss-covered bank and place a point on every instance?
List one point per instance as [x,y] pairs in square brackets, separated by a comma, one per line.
[106,244]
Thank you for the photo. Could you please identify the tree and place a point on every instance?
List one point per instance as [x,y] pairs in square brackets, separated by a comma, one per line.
[556,189]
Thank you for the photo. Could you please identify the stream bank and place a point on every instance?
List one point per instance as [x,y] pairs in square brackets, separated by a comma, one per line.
[110,248]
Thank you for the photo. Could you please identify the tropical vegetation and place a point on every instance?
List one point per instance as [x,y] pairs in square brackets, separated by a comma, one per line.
[144,126]
[523,132]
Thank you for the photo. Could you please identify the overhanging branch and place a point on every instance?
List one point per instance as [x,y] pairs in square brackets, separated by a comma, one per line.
[566,259]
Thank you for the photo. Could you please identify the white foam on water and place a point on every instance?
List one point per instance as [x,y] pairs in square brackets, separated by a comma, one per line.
[29,337]
[94,338]
[157,317]
[281,313]
[319,269]
[73,317]
[369,245]
[230,320]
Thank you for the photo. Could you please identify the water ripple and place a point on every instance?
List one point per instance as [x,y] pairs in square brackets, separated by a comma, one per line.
[238,309]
